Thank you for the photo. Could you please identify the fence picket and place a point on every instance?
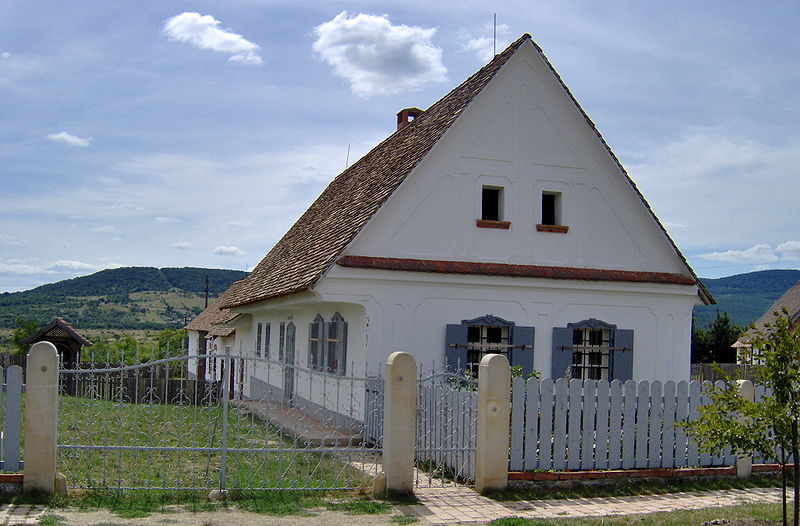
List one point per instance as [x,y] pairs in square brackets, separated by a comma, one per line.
[668,434]
[532,423]
[642,413]
[588,425]
[681,416]
[545,425]
[629,426]
[518,431]
[574,430]
[13,419]
[705,458]
[615,426]
[560,425]
[601,426]
[656,423]
[693,456]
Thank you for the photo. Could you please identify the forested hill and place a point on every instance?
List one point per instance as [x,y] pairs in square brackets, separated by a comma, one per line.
[745,297]
[123,298]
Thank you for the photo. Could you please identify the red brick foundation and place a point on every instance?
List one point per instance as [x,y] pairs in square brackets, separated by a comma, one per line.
[541,476]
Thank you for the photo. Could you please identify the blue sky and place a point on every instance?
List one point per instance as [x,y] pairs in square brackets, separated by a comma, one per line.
[172,133]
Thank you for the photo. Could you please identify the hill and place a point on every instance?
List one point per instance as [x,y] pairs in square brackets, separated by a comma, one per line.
[745,297]
[122,298]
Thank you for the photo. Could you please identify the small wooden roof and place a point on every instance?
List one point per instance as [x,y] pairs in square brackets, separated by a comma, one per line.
[58,329]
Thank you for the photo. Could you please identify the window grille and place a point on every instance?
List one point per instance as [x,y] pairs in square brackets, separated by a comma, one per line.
[483,340]
[590,353]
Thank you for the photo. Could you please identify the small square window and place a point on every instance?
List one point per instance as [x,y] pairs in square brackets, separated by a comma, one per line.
[491,203]
[551,208]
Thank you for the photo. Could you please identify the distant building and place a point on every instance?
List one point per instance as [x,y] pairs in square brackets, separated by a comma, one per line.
[790,300]
[67,340]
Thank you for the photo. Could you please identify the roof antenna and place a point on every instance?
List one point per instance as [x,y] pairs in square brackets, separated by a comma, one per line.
[347,162]
[494,36]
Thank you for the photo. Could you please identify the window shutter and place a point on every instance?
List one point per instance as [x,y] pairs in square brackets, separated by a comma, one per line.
[622,355]
[562,352]
[455,348]
[519,356]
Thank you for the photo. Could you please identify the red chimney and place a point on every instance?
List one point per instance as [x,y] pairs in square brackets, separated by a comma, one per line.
[405,116]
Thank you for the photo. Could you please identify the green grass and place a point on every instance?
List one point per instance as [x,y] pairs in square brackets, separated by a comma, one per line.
[89,421]
[766,512]
[403,519]
[631,487]
[50,520]
[360,506]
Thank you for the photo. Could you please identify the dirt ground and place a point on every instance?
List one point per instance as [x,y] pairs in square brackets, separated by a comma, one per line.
[227,517]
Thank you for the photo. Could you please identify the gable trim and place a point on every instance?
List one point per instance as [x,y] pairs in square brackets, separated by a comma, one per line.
[517,271]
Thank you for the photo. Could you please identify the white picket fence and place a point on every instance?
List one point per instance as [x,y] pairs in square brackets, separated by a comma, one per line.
[586,425]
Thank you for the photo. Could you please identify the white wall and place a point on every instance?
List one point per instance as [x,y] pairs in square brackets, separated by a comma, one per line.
[408,311]
[521,133]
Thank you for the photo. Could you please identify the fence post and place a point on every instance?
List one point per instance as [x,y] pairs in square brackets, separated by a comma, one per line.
[399,422]
[41,418]
[744,464]
[494,399]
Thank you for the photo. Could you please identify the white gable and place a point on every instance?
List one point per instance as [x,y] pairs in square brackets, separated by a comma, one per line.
[522,134]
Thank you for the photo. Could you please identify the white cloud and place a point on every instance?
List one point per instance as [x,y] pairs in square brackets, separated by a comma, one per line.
[376,57]
[182,245]
[202,31]
[483,46]
[66,265]
[9,240]
[790,250]
[21,269]
[167,219]
[68,138]
[762,253]
[104,228]
[246,223]
[129,208]
[223,250]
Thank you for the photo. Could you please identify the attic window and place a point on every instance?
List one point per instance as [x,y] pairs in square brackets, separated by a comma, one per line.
[492,208]
[551,214]
[491,204]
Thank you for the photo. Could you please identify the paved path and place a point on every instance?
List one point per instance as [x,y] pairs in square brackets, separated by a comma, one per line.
[459,505]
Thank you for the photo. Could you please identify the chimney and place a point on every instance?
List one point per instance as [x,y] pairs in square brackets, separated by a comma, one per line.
[405,116]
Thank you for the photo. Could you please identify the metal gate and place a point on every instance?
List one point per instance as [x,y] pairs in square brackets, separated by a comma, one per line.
[252,423]
[447,421]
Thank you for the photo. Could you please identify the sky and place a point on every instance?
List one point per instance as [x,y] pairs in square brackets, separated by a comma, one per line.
[176,133]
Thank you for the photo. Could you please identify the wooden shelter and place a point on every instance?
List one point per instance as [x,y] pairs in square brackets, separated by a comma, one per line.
[67,340]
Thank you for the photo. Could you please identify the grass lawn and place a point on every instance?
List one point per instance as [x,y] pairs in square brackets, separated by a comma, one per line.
[87,421]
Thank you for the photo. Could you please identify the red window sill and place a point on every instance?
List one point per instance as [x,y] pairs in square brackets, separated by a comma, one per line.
[486,223]
[556,229]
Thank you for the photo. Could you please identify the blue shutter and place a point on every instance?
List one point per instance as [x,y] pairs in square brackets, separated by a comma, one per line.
[455,347]
[562,352]
[519,356]
[622,355]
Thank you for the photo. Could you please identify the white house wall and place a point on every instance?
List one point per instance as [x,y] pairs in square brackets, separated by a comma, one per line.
[408,311]
[522,133]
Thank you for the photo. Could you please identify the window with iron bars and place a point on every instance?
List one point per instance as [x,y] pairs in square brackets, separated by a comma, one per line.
[590,353]
[483,340]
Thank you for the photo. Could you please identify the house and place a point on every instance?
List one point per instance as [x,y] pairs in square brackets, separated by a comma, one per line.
[497,220]
[790,300]
[67,340]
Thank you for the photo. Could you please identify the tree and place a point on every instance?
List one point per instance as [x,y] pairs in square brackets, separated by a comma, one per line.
[24,328]
[714,345]
[766,425]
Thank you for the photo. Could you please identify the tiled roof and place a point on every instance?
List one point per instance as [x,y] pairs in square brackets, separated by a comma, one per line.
[790,300]
[317,239]
[213,316]
[66,329]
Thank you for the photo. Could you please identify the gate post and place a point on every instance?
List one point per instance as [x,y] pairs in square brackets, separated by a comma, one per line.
[744,464]
[399,422]
[41,418]
[494,411]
